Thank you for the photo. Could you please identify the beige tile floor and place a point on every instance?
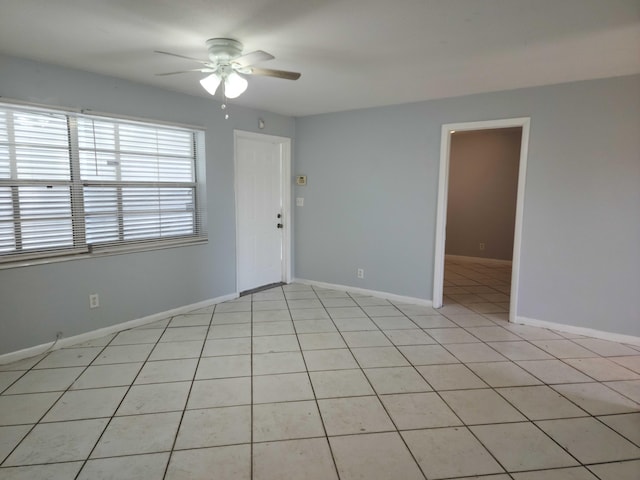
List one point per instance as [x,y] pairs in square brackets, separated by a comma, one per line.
[306,383]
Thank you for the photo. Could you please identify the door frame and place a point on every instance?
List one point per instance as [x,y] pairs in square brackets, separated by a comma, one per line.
[285,156]
[443,191]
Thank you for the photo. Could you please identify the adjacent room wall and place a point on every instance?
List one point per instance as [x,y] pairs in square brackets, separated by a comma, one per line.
[370,201]
[38,301]
[483,186]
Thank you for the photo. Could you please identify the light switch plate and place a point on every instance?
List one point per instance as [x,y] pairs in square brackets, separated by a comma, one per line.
[299,202]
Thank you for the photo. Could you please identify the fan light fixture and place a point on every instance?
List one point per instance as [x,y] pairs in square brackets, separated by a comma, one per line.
[210,83]
[226,63]
[234,84]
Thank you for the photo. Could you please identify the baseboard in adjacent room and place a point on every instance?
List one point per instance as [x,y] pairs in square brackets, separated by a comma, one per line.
[364,291]
[101,332]
[587,332]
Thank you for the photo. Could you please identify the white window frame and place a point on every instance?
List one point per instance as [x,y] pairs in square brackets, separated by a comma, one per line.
[77,185]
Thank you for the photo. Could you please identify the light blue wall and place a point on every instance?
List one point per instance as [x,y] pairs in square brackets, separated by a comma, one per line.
[371,196]
[369,203]
[38,301]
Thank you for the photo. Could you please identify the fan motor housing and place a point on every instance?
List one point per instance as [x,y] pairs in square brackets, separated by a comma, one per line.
[223,49]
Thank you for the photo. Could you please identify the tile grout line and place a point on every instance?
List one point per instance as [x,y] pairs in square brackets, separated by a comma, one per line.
[397,431]
[313,390]
[589,415]
[480,341]
[463,424]
[384,332]
[522,413]
[518,410]
[193,379]
[86,460]
[513,362]
[53,404]
[91,364]
[561,359]
[497,392]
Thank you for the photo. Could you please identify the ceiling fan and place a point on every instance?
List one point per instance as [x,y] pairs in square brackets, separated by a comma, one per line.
[227,65]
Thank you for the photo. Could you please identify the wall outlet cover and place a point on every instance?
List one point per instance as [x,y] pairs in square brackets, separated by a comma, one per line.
[94,300]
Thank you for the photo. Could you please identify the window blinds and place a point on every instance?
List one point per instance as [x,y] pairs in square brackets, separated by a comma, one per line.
[72,183]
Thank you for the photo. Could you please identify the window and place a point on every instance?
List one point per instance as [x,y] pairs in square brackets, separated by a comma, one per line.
[73,183]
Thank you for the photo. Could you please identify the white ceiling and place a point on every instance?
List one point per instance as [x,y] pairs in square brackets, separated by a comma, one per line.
[352,53]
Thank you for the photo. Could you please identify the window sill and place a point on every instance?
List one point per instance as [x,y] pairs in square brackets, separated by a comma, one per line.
[104,252]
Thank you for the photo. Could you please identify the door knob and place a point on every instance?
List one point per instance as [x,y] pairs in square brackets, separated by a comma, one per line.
[279,225]
[279,215]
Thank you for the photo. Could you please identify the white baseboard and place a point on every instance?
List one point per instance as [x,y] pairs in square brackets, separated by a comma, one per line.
[486,261]
[364,291]
[101,332]
[587,332]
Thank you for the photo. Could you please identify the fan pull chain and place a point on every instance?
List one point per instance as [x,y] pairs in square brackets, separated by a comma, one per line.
[224,107]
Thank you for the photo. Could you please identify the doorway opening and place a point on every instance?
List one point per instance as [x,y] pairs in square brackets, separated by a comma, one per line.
[263,218]
[479,217]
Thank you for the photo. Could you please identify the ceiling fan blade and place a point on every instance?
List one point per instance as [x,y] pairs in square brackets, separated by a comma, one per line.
[268,72]
[183,71]
[252,58]
[204,62]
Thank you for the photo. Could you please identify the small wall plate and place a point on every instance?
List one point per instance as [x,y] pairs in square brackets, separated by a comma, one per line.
[301,180]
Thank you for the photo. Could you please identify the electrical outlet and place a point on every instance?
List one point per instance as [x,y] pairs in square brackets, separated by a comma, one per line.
[360,273]
[481,246]
[94,300]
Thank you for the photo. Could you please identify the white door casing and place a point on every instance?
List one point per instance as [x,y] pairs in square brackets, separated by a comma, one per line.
[262,188]
[441,214]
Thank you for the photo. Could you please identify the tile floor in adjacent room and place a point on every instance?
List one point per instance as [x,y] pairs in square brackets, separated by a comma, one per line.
[299,382]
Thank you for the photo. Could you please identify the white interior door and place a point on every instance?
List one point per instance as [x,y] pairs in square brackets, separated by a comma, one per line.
[259,204]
